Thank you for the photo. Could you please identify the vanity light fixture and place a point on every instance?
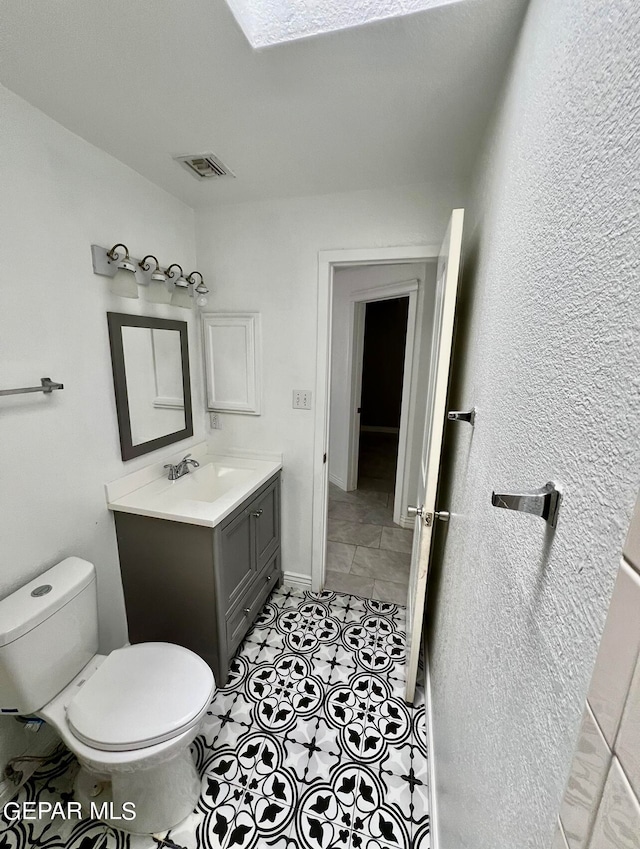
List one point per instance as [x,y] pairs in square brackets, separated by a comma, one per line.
[160,286]
[123,282]
[160,294]
[181,296]
[200,290]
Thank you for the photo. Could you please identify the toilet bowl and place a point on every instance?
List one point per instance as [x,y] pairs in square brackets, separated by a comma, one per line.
[129,717]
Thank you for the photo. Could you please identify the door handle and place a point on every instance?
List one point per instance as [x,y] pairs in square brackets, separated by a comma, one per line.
[442,515]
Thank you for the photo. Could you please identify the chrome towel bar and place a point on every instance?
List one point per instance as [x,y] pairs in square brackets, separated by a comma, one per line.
[47,386]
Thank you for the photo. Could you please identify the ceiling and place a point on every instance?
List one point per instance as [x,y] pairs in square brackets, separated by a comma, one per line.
[394,102]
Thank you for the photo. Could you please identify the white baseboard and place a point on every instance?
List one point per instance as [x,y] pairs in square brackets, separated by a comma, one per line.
[433,809]
[336,481]
[407,522]
[376,429]
[297,580]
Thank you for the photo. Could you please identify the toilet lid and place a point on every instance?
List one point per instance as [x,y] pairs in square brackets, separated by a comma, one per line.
[141,695]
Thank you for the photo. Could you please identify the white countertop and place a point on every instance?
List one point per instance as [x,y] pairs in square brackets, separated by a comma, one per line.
[205,496]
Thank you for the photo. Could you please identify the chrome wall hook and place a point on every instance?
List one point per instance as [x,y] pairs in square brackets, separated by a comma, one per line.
[458,416]
[544,502]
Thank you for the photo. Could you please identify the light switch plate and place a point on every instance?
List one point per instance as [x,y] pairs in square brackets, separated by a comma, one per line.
[302,399]
[214,419]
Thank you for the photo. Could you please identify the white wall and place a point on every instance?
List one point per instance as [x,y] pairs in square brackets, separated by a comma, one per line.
[59,194]
[264,257]
[548,351]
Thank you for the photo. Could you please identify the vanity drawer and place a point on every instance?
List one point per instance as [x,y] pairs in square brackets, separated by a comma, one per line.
[243,616]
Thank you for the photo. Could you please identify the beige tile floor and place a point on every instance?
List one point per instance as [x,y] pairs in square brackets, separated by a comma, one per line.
[367,554]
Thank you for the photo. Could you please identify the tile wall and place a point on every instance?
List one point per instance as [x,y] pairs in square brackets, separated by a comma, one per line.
[601,804]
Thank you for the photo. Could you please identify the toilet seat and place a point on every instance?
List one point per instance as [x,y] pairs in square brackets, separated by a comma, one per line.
[139,696]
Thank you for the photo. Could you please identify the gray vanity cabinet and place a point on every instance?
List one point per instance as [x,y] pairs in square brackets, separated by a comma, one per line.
[201,587]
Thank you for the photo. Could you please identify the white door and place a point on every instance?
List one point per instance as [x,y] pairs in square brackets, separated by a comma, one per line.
[444,313]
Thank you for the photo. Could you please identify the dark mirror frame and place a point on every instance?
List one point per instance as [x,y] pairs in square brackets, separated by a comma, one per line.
[117,321]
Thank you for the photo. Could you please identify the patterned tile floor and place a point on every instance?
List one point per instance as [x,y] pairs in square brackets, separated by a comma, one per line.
[310,744]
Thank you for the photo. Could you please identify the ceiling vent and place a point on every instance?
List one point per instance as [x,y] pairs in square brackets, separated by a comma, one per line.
[204,166]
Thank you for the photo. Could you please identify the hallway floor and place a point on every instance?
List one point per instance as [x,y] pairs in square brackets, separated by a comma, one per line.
[367,553]
[303,748]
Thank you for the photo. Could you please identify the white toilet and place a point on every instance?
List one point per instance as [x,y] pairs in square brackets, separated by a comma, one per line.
[129,716]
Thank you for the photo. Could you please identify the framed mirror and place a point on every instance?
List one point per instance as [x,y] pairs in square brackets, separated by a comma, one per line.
[150,360]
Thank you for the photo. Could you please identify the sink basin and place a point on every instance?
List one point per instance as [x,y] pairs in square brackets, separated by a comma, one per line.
[208,483]
[204,496]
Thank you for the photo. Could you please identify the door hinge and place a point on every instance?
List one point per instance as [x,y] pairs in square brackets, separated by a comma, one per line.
[324,458]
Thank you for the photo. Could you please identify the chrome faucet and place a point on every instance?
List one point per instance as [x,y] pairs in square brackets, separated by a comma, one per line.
[181,468]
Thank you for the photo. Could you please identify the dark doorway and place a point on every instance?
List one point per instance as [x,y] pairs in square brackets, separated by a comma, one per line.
[385,336]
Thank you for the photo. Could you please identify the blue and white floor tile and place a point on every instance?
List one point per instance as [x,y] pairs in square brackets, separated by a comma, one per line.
[310,744]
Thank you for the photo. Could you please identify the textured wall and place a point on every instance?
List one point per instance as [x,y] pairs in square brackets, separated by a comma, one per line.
[547,348]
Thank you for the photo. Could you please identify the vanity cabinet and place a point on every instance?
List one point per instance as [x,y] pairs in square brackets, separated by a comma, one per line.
[197,586]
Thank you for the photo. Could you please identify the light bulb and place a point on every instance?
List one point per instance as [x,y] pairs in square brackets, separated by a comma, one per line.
[202,300]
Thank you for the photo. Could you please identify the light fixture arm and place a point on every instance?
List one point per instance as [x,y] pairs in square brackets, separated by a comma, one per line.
[144,265]
[114,256]
[174,265]
[201,288]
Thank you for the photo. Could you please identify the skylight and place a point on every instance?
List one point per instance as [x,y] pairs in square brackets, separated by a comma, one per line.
[267,22]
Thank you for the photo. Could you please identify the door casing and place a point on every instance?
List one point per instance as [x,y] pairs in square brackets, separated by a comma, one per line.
[358,302]
[328,261]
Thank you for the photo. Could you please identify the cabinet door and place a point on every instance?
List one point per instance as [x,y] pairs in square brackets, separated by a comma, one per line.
[236,567]
[265,510]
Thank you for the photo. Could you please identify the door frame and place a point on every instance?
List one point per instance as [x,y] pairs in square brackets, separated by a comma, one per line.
[358,303]
[328,261]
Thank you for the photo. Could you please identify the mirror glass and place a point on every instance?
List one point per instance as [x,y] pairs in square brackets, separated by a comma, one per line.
[151,380]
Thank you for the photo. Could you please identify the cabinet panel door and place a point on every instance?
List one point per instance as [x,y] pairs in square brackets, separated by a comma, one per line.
[239,622]
[236,562]
[266,511]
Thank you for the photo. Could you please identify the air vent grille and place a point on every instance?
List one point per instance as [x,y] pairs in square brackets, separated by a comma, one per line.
[204,166]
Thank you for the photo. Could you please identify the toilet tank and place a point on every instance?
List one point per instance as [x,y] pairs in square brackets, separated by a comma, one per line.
[48,633]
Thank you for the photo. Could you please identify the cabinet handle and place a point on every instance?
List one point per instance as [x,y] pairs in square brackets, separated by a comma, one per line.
[246,610]
[269,578]
[257,513]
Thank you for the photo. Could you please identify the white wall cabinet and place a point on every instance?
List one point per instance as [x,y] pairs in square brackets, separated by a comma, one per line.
[231,345]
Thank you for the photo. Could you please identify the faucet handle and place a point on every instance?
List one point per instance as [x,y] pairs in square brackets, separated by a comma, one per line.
[173,471]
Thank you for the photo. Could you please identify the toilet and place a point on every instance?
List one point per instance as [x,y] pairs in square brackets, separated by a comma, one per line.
[129,717]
